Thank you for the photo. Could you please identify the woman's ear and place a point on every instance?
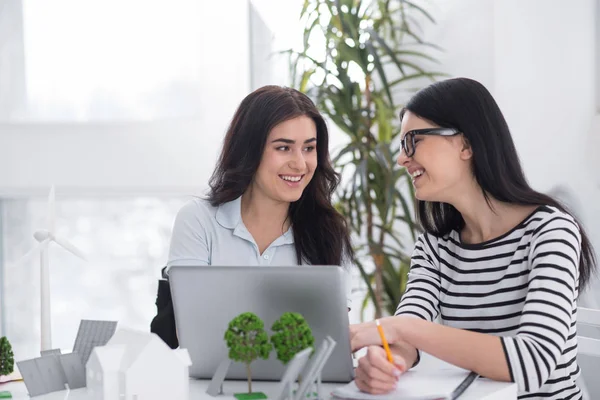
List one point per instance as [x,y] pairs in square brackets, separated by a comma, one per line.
[466,152]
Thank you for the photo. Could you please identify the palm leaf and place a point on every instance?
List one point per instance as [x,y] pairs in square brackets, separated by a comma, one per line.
[421,9]
[367,280]
[379,66]
[373,197]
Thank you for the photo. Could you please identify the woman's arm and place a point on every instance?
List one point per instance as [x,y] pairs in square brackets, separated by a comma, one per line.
[473,351]
[421,298]
[422,295]
[406,352]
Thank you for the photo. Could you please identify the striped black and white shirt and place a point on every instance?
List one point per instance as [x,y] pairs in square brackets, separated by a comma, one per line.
[521,286]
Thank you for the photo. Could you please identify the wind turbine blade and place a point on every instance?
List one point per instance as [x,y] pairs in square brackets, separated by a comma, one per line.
[70,247]
[52,211]
[35,250]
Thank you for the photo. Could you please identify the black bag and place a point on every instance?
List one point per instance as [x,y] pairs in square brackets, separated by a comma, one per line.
[163,324]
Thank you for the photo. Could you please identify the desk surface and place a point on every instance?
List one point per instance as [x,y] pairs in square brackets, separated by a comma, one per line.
[482,389]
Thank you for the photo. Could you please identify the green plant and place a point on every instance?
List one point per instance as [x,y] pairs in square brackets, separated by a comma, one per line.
[247,341]
[366,52]
[292,334]
[7,361]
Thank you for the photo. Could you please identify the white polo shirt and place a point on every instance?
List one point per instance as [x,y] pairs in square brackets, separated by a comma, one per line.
[207,235]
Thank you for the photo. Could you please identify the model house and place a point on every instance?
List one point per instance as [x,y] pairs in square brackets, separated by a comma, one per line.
[137,366]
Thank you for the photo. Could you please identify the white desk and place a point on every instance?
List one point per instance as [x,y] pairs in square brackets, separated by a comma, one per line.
[482,389]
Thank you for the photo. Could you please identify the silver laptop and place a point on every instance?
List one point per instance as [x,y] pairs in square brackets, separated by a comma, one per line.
[206,298]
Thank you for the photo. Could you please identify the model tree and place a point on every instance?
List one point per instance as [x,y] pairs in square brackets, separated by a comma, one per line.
[291,334]
[248,341]
[7,360]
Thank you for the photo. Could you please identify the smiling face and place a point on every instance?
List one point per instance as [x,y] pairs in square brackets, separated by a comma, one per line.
[440,166]
[289,160]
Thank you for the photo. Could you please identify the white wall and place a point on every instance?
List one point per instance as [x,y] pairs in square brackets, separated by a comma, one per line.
[537,58]
[597,51]
[545,74]
[464,30]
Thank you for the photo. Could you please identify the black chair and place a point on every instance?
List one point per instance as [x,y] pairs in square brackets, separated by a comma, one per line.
[163,324]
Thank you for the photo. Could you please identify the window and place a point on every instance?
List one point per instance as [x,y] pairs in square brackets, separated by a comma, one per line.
[114,86]
[126,241]
[126,60]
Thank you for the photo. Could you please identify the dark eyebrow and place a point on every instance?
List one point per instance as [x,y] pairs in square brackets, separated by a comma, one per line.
[290,141]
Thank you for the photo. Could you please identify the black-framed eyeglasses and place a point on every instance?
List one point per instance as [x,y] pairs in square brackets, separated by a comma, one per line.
[408,141]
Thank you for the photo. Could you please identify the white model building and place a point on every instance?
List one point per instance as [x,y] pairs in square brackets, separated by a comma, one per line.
[137,366]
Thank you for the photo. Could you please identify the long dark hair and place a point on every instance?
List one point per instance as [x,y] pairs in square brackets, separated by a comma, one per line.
[466,105]
[321,235]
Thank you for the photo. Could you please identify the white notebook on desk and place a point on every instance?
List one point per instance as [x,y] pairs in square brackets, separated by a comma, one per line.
[412,385]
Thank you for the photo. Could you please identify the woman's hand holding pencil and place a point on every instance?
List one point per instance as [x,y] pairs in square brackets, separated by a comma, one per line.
[379,370]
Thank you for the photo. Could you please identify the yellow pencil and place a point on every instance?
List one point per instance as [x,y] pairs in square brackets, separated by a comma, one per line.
[385,343]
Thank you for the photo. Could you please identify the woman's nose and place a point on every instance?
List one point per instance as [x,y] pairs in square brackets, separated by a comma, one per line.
[402,158]
[298,162]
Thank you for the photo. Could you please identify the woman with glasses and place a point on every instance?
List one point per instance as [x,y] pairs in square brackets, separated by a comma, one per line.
[500,265]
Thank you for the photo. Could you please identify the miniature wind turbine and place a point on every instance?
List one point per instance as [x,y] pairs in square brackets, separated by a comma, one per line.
[44,237]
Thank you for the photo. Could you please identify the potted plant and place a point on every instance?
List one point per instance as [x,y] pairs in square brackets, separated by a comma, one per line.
[247,341]
[7,363]
[358,60]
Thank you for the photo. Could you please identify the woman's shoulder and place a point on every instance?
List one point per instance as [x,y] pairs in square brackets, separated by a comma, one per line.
[429,243]
[547,218]
[197,208]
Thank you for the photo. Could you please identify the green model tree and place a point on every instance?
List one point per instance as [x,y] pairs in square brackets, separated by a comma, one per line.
[7,361]
[291,334]
[247,341]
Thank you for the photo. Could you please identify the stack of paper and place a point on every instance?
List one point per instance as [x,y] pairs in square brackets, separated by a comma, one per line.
[412,385]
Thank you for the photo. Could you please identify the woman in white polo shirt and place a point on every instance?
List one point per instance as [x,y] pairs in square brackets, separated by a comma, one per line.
[270,194]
